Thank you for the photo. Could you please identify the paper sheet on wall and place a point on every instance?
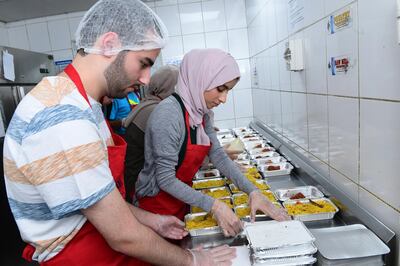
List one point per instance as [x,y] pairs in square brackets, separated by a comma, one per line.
[8,66]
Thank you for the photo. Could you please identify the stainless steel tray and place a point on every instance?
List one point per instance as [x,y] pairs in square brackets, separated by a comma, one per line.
[202,174]
[312,216]
[310,192]
[209,191]
[209,183]
[285,169]
[203,231]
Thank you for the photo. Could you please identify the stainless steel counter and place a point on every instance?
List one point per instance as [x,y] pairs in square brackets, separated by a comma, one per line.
[305,174]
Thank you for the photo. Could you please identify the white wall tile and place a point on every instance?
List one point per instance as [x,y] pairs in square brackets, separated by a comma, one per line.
[187,1]
[243,122]
[318,126]
[342,44]
[276,111]
[217,39]
[281,10]
[271,24]
[235,12]
[3,36]
[331,6]
[57,17]
[300,127]
[243,103]
[384,213]
[15,24]
[73,25]
[273,67]
[284,74]
[259,104]
[379,47]
[18,37]
[38,37]
[258,32]
[344,135]
[214,15]
[253,7]
[173,49]
[315,54]
[244,82]
[222,124]
[191,18]
[227,110]
[78,14]
[238,44]
[298,78]
[314,10]
[193,41]
[320,166]
[344,184]
[379,149]
[287,113]
[59,33]
[170,16]
[165,2]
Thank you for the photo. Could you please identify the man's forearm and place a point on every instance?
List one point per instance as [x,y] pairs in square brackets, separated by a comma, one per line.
[144,217]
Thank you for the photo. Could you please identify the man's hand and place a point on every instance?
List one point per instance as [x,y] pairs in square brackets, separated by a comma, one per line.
[259,202]
[169,226]
[227,220]
[218,256]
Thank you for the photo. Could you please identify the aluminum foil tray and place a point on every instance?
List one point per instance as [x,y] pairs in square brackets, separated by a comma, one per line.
[202,231]
[238,208]
[242,130]
[310,192]
[254,144]
[234,189]
[266,148]
[264,155]
[285,169]
[312,216]
[289,251]
[290,261]
[224,131]
[269,160]
[209,183]
[224,188]
[202,174]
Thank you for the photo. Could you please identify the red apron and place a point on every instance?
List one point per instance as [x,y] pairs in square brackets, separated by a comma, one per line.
[88,247]
[164,203]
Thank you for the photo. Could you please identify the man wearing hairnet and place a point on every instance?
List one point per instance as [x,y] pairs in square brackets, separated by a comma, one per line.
[64,167]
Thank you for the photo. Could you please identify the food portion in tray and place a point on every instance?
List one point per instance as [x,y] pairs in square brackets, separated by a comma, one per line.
[305,207]
[210,183]
[217,193]
[200,222]
[240,199]
[269,194]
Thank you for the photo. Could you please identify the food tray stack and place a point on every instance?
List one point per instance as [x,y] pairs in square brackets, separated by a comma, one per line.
[280,243]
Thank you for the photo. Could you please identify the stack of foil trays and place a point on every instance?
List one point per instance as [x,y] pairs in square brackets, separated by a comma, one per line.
[280,243]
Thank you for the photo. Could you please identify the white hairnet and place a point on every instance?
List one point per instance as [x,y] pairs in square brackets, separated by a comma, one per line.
[137,26]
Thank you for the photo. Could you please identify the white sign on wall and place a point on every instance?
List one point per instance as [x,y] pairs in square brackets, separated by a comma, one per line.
[296,13]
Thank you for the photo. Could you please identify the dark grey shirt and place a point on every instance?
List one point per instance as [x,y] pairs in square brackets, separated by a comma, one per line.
[164,137]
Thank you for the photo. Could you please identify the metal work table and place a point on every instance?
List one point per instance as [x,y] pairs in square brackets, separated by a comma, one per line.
[305,174]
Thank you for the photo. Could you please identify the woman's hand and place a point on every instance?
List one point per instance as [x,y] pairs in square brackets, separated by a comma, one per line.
[227,220]
[259,202]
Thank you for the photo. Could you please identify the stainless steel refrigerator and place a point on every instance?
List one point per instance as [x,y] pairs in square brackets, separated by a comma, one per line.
[29,69]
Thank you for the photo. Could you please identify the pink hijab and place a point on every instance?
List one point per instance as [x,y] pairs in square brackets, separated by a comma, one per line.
[203,70]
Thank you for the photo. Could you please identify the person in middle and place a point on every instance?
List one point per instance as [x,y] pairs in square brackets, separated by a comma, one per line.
[180,134]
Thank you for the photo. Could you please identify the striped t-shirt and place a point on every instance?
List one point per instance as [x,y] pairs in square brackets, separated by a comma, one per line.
[55,163]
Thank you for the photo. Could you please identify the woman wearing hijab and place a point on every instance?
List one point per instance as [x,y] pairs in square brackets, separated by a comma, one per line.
[180,134]
[162,84]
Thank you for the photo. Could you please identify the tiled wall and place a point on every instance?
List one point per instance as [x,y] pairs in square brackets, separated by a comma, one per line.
[347,124]
[191,24]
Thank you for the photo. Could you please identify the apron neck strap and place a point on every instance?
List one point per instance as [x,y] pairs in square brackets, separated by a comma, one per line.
[74,76]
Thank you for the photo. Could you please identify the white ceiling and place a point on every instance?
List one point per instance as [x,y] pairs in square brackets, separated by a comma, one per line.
[15,10]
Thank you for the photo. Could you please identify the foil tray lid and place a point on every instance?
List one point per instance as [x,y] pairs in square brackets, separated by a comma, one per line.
[348,242]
